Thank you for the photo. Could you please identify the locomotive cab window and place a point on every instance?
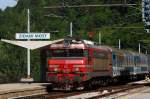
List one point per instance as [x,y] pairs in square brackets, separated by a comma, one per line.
[68,53]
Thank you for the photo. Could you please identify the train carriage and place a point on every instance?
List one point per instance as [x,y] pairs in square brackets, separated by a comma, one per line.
[101,62]
[148,63]
[130,57]
[117,62]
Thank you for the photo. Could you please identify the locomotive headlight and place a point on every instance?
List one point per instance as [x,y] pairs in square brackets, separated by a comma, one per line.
[55,66]
[76,69]
[55,69]
[79,66]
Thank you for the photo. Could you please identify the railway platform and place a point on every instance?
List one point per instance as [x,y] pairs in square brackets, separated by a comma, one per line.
[18,90]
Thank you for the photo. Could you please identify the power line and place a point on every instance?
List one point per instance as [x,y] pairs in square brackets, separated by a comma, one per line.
[53,15]
[78,6]
[130,27]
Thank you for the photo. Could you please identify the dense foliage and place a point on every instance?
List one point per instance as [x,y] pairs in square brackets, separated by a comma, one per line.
[109,21]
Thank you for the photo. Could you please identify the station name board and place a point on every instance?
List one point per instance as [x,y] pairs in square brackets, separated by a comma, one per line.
[32,35]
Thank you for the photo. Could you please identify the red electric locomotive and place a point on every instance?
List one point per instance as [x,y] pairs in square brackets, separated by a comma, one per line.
[69,64]
[76,63]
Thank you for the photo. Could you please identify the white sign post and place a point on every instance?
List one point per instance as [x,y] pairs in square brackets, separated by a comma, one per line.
[28,36]
[28,50]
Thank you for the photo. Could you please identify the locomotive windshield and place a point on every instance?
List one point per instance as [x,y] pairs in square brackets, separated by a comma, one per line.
[67,53]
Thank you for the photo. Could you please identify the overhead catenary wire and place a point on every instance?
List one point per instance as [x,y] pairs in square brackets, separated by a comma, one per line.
[130,27]
[98,5]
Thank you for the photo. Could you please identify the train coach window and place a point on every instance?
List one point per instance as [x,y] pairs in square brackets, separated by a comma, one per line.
[114,57]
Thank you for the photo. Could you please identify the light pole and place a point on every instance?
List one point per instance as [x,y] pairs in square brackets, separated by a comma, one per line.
[146,52]
[100,42]
[139,48]
[119,44]
[71,29]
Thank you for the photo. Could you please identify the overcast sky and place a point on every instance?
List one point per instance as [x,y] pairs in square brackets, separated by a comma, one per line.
[7,3]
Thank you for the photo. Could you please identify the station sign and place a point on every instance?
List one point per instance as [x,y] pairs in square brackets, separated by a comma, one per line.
[32,36]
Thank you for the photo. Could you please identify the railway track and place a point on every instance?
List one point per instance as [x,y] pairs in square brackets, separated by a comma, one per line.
[92,94]
[116,90]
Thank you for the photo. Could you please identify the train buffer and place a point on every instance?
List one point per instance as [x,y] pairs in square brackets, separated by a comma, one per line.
[18,90]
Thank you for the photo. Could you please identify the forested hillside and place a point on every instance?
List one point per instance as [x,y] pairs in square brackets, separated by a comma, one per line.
[111,22]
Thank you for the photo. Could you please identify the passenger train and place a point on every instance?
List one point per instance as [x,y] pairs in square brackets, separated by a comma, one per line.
[74,63]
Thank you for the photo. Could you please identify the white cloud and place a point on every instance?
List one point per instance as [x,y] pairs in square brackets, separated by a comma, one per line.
[7,3]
